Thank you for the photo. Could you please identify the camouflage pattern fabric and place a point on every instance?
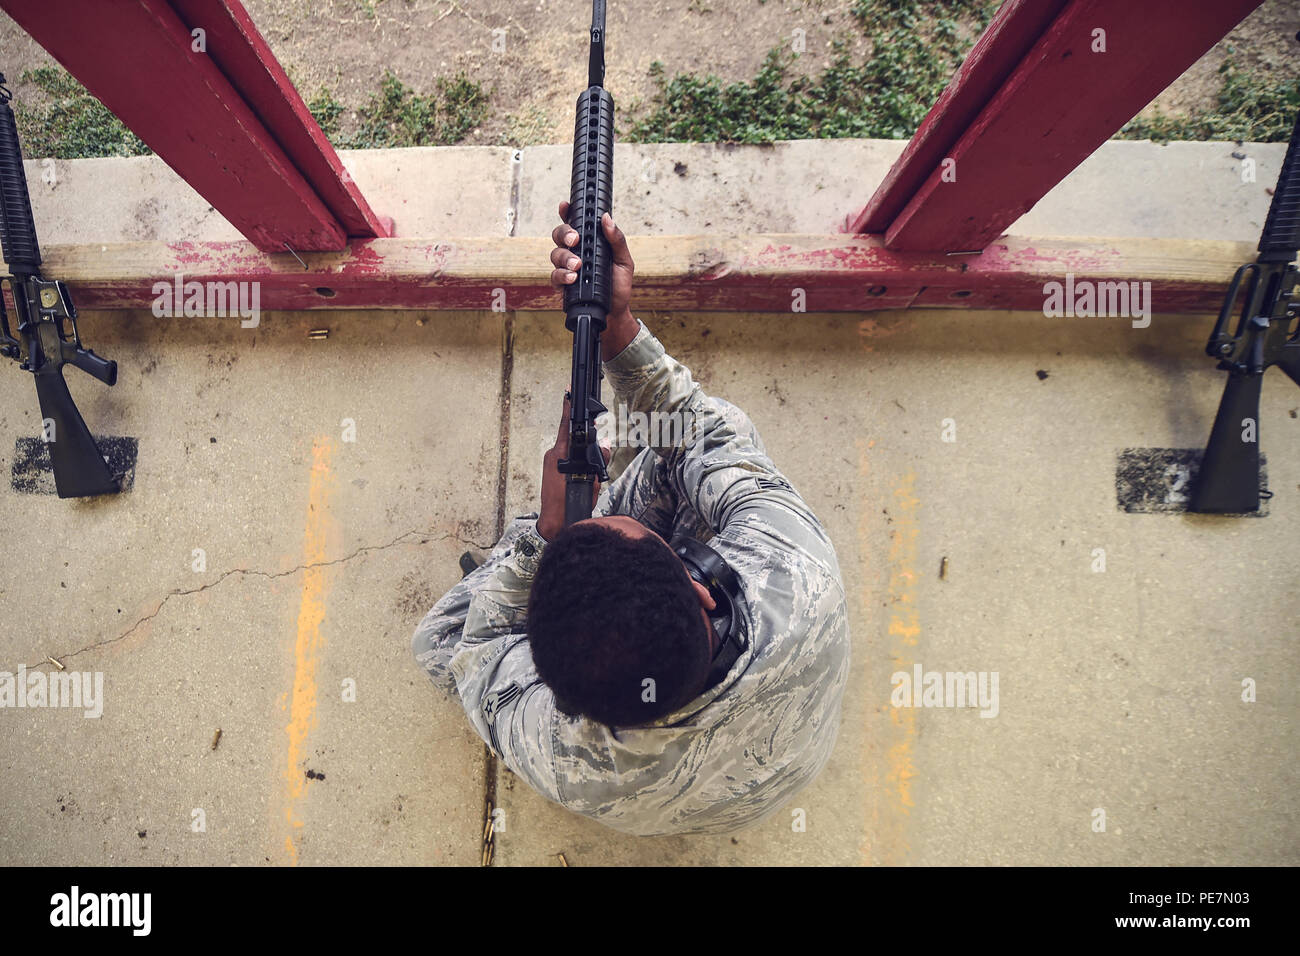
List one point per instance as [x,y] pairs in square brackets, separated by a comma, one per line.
[741,749]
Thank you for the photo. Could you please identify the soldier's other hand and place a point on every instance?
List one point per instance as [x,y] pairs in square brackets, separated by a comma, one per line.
[550,518]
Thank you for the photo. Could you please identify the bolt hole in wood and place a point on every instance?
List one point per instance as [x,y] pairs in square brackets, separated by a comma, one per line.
[876,290]
[325,293]
[961,294]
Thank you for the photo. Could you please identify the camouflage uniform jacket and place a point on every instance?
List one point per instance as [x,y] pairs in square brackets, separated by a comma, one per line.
[742,748]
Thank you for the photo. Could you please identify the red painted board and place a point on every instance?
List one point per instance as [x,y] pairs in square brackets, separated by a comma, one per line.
[237,47]
[772,274]
[1009,36]
[136,56]
[1062,102]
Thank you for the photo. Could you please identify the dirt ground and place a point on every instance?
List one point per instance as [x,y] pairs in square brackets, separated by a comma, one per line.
[1265,40]
[346,45]
[534,81]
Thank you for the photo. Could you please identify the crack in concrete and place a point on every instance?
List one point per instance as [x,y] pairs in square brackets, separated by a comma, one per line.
[185,592]
[487,846]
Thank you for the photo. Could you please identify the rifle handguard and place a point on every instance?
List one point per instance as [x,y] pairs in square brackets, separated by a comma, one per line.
[590,197]
[1280,239]
[17,227]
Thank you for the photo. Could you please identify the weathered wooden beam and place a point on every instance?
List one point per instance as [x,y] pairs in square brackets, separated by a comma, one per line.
[142,62]
[1012,32]
[765,273]
[1094,68]
[234,42]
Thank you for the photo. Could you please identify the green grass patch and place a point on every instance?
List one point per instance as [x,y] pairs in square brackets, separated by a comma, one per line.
[398,116]
[64,121]
[328,112]
[916,46]
[528,127]
[1257,106]
[886,95]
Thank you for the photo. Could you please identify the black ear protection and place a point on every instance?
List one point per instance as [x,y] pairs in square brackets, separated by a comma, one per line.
[709,568]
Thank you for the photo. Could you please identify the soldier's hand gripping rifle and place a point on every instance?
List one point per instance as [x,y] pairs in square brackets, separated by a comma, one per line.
[44,346]
[586,301]
[1228,482]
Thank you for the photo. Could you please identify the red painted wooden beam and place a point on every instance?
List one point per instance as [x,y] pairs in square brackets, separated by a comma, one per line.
[1013,31]
[1059,105]
[234,42]
[137,57]
[767,273]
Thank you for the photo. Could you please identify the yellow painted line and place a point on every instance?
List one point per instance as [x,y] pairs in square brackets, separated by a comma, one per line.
[866,600]
[890,801]
[311,613]
[905,627]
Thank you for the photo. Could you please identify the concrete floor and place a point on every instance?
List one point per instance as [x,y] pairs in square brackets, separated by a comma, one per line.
[1118,690]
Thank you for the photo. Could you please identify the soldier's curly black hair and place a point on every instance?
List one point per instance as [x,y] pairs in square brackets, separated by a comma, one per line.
[615,626]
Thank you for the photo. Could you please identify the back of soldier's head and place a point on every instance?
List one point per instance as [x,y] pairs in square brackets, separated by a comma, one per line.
[615,627]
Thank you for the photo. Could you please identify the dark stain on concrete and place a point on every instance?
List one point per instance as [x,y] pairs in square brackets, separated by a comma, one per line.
[31,473]
[1160,480]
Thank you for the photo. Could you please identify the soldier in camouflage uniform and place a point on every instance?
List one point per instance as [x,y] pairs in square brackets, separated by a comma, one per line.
[741,747]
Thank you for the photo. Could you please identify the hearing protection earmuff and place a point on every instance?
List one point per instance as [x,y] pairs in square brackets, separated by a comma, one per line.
[709,568]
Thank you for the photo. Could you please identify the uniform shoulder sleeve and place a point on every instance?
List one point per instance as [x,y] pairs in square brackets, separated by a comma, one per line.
[712,451]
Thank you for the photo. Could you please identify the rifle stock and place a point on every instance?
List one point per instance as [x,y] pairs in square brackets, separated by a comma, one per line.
[80,471]
[1229,476]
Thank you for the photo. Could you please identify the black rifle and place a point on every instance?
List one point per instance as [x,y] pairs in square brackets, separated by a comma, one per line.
[41,306]
[586,301]
[1228,482]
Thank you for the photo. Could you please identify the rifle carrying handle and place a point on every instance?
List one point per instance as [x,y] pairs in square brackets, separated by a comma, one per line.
[17,227]
[590,197]
[1281,237]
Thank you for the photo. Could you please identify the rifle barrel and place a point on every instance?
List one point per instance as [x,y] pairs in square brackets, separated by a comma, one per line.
[596,62]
